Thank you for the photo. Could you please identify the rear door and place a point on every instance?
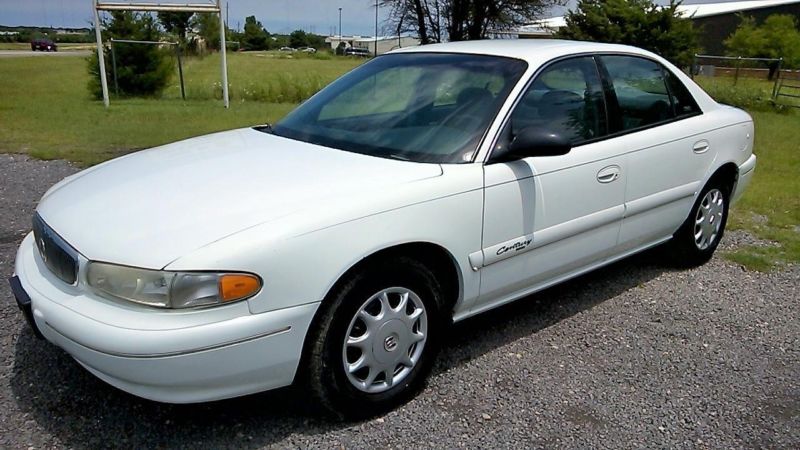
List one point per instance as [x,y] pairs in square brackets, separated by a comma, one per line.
[669,150]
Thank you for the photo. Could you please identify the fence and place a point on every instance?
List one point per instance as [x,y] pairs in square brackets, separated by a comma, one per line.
[785,82]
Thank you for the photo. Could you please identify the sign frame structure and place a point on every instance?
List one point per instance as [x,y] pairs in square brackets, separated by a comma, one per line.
[215,7]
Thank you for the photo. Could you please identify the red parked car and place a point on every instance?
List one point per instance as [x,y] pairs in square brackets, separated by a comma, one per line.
[45,45]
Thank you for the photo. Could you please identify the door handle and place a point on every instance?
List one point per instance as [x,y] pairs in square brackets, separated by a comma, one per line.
[701,147]
[608,174]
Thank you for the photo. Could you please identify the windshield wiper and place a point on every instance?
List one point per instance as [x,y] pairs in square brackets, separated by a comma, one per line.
[266,128]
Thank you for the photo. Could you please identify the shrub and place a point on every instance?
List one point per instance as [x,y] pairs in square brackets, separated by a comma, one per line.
[142,70]
[752,95]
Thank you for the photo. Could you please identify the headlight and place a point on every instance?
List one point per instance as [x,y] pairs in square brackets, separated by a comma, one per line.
[166,289]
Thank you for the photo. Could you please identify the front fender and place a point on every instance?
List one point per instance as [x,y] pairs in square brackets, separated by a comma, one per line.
[300,264]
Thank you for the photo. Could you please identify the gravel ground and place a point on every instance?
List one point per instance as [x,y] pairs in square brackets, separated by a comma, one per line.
[635,355]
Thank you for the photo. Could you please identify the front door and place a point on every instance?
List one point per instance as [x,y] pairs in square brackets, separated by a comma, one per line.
[546,217]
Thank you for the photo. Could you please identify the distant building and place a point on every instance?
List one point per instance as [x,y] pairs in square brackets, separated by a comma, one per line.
[385,43]
[71,31]
[716,21]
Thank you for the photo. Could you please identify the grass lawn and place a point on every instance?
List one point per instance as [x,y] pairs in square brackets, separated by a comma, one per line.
[770,209]
[46,112]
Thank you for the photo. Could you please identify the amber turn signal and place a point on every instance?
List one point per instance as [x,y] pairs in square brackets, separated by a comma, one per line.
[238,286]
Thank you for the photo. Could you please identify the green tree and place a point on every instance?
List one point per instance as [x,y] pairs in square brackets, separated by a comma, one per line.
[316,41]
[207,26]
[777,37]
[298,39]
[460,20]
[279,40]
[177,23]
[255,36]
[141,69]
[662,30]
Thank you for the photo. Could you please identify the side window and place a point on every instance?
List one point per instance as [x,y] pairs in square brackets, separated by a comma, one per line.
[640,89]
[682,101]
[567,97]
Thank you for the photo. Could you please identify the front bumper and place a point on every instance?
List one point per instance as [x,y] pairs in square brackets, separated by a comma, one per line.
[167,356]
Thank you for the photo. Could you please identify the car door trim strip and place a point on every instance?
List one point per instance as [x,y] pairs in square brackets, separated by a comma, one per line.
[660,199]
[547,236]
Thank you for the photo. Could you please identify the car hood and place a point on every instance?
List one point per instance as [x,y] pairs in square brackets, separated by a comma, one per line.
[149,208]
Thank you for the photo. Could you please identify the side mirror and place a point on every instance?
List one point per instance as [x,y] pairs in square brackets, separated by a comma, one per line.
[534,141]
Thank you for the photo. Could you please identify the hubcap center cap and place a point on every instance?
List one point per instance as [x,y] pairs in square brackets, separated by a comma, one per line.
[390,343]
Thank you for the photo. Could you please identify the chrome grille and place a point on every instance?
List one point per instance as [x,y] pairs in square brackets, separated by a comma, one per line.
[57,255]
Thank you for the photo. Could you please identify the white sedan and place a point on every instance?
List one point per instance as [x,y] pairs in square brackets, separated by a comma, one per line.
[335,248]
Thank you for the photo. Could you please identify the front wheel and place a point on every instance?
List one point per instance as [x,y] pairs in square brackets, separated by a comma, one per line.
[376,339]
[697,239]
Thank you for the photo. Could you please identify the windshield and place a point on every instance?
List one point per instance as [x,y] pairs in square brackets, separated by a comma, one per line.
[422,107]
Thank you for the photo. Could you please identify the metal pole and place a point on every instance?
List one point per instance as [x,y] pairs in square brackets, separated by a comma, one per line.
[777,80]
[100,57]
[340,25]
[180,71]
[736,73]
[114,67]
[376,28]
[225,97]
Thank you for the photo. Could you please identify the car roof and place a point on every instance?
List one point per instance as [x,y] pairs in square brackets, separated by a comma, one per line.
[537,52]
[532,50]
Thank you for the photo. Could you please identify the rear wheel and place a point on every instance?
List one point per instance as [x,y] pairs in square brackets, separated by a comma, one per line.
[697,239]
[376,339]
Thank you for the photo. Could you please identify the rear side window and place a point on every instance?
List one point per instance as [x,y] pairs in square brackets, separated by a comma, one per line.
[641,91]
[567,97]
[682,101]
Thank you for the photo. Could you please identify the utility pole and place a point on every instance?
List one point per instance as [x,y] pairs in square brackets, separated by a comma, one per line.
[376,28]
[340,23]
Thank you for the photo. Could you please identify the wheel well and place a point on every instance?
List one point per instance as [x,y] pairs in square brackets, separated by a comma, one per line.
[727,174]
[434,257]
[438,260]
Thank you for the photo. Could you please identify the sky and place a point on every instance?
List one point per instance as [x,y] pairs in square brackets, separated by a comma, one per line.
[278,16]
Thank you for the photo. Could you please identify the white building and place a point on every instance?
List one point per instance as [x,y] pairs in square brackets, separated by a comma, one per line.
[385,43]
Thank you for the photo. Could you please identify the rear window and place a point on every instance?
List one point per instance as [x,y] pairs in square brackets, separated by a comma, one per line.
[641,91]
[682,101]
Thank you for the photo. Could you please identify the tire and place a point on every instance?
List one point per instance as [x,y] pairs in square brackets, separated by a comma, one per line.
[696,240]
[407,340]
